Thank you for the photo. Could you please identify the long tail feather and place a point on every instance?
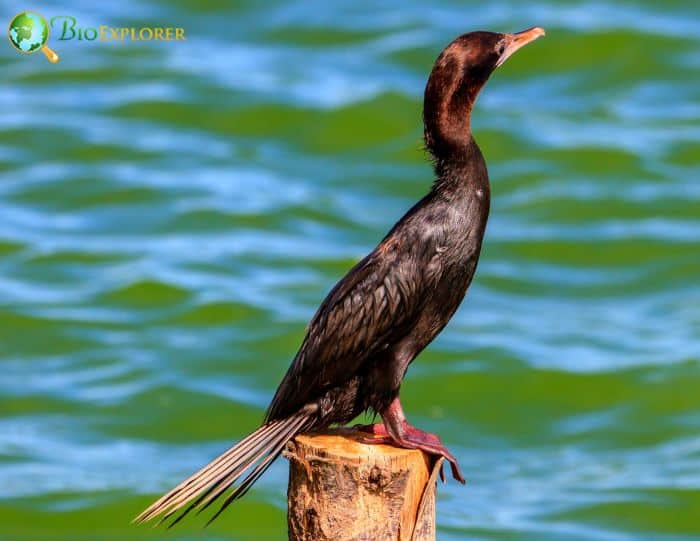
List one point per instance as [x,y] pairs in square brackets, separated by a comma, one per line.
[250,479]
[245,455]
[195,482]
[272,451]
[228,478]
[206,485]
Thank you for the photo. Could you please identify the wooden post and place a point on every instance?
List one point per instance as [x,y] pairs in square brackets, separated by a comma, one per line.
[342,490]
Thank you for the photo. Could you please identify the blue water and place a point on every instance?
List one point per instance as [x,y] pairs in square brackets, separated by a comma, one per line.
[171,214]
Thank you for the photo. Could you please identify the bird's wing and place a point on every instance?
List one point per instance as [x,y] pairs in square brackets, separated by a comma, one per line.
[374,305]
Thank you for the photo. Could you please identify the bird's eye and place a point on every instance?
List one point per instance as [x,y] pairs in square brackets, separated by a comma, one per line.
[501,49]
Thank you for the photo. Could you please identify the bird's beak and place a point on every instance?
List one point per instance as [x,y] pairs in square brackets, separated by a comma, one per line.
[519,39]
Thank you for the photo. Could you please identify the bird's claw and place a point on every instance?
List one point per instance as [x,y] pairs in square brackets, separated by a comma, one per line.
[412,438]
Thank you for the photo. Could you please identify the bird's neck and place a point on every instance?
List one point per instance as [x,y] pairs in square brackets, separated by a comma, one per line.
[460,168]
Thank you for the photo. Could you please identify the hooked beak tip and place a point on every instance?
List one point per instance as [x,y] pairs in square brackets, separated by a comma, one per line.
[537,31]
[518,40]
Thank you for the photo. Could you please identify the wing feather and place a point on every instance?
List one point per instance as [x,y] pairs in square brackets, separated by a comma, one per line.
[374,305]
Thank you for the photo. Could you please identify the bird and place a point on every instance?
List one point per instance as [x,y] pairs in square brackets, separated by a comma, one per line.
[388,307]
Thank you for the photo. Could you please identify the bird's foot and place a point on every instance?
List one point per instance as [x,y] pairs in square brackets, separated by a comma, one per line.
[410,438]
[379,431]
[376,429]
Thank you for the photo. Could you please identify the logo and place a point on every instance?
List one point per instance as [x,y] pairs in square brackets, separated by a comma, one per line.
[28,33]
[68,29]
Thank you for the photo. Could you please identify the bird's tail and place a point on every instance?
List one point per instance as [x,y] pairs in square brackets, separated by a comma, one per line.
[252,455]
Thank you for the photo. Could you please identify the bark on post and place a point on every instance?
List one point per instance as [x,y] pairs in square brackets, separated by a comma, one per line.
[342,490]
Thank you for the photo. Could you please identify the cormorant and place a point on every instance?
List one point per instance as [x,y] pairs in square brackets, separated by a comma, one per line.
[390,305]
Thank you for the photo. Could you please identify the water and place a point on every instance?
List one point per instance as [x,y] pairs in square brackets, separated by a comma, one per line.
[172,214]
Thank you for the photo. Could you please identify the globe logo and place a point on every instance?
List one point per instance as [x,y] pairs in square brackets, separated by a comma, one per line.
[28,32]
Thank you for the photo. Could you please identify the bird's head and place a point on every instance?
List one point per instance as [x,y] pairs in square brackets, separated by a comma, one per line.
[458,75]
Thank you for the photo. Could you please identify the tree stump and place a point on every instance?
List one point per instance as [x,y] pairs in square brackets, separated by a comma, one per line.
[342,490]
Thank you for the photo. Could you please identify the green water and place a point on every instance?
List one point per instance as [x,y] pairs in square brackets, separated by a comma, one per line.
[172,214]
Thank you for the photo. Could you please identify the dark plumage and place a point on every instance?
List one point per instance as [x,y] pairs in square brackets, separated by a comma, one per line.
[390,305]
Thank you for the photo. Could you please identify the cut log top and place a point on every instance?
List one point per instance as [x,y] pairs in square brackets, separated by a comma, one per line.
[343,444]
[341,489]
